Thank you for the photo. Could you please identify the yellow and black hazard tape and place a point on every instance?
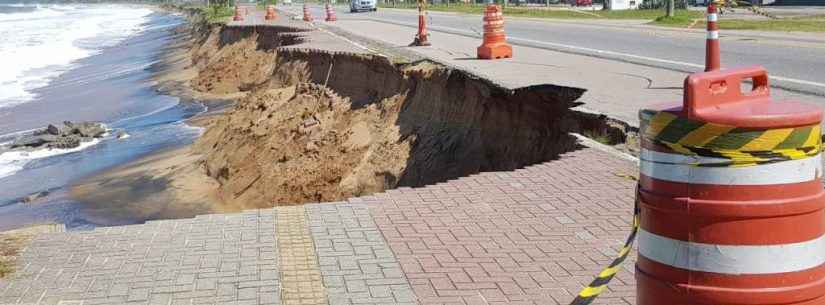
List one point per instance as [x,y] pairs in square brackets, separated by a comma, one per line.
[589,293]
[738,146]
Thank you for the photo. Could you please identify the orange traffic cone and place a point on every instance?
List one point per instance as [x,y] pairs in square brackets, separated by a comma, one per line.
[270,13]
[330,13]
[307,15]
[238,16]
[495,44]
[421,37]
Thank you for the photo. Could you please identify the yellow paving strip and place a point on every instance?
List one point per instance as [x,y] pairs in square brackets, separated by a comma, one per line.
[301,281]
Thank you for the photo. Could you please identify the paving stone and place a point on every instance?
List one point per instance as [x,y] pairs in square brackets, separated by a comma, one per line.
[300,278]
[348,244]
[159,262]
[530,236]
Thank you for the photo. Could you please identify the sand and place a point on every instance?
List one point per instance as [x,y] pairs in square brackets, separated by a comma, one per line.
[314,126]
[164,185]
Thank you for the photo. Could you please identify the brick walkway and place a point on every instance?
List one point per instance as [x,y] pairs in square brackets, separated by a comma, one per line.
[530,236]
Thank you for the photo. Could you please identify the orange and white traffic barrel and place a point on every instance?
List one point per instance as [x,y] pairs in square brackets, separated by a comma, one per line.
[495,44]
[731,197]
[330,13]
[270,13]
[307,14]
[238,16]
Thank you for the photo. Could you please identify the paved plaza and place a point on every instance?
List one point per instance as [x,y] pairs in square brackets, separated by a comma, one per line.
[530,236]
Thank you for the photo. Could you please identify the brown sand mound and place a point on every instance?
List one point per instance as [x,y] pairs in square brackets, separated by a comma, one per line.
[236,67]
[303,143]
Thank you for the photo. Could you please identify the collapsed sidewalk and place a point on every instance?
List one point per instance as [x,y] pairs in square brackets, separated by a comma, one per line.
[615,89]
[534,235]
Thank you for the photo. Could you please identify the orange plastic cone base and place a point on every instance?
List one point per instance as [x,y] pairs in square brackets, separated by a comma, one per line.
[495,51]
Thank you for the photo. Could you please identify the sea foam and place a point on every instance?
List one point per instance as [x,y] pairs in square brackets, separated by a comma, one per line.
[38,45]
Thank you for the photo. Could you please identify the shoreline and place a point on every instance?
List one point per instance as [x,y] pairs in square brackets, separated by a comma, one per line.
[166,183]
[318,119]
[118,86]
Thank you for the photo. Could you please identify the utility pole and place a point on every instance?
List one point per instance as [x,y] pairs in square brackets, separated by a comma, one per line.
[671,8]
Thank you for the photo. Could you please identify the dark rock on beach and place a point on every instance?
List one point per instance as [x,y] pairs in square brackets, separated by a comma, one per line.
[69,135]
[34,197]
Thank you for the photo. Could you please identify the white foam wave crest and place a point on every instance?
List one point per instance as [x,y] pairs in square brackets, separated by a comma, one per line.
[39,45]
[13,161]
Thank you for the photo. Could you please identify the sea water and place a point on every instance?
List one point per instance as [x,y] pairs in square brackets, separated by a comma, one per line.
[81,62]
[39,42]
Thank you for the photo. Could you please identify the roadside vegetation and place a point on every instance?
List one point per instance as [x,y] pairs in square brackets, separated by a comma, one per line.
[217,13]
[264,3]
[789,24]
[682,18]
[550,12]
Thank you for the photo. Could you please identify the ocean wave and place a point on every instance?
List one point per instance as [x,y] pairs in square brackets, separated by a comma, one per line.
[12,162]
[39,45]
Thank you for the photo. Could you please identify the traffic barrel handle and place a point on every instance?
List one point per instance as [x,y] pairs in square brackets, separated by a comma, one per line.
[706,91]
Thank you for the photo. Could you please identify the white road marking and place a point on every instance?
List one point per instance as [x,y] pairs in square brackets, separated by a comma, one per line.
[605,52]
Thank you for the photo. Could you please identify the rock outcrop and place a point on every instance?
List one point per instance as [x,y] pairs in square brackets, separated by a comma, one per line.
[69,135]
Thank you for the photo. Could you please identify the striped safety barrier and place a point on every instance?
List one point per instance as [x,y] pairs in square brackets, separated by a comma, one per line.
[270,13]
[712,57]
[495,44]
[238,16]
[330,13]
[589,293]
[731,197]
[421,38]
[307,14]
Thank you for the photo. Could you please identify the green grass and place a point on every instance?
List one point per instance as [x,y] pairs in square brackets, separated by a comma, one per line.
[217,14]
[674,21]
[542,12]
[797,24]
[264,3]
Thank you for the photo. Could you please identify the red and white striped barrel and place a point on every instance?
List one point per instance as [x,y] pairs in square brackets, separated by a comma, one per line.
[730,234]
[712,56]
[330,13]
[307,14]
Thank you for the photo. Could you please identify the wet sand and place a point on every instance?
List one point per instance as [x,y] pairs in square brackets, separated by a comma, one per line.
[164,185]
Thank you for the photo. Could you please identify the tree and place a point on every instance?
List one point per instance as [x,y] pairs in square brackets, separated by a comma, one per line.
[671,8]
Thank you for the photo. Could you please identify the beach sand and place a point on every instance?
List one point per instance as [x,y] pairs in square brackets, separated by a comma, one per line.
[164,185]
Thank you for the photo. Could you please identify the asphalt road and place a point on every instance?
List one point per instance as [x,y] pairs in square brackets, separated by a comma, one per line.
[796,63]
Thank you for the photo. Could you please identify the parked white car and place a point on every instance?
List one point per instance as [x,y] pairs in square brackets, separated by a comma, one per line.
[363,5]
